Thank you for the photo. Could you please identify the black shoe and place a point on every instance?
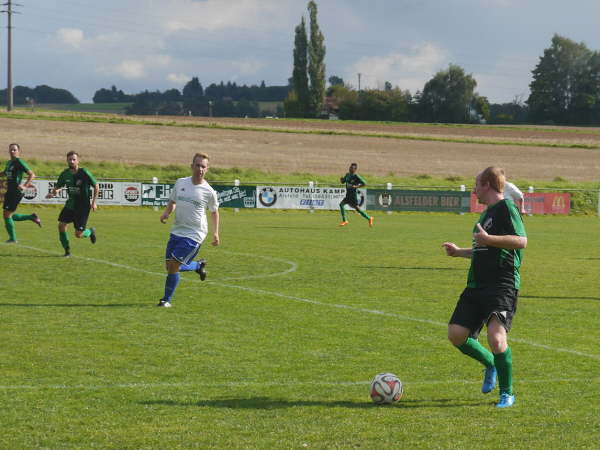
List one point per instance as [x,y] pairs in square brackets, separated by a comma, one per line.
[163,304]
[201,270]
[35,219]
[11,241]
[93,236]
[67,253]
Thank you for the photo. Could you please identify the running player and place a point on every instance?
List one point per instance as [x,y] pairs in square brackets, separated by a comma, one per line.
[490,297]
[353,181]
[81,186]
[190,198]
[15,168]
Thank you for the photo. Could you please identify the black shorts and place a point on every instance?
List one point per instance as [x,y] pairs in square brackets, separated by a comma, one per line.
[12,198]
[476,306]
[352,201]
[78,217]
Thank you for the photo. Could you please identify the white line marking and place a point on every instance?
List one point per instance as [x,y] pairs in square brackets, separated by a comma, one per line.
[282,383]
[315,302]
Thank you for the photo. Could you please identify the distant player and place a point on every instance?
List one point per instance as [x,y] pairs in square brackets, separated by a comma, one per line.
[81,186]
[15,168]
[353,181]
[190,198]
[490,297]
[512,192]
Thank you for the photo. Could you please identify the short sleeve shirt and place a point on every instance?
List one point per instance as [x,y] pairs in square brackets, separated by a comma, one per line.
[79,187]
[14,172]
[192,200]
[492,266]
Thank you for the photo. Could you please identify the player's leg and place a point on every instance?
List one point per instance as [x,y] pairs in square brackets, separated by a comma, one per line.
[80,223]
[33,217]
[363,213]
[180,251]
[64,218]
[498,341]
[189,265]
[9,224]
[171,282]
[344,221]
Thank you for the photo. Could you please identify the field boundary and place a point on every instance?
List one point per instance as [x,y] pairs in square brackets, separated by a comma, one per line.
[213,125]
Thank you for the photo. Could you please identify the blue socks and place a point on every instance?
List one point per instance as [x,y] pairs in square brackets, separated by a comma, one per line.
[189,267]
[170,285]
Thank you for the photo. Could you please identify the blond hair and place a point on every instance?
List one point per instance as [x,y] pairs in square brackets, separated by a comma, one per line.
[495,177]
[201,156]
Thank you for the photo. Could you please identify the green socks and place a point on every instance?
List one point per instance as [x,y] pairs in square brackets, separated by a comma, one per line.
[475,350]
[64,239]
[10,228]
[343,211]
[364,214]
[86,232]
[503,363]
[22,217]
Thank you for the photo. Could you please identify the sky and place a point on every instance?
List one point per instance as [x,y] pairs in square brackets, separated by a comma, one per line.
[85,45]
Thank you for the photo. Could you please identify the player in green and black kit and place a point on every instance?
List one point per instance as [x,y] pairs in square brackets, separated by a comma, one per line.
[493,283]
[79,183]
[15,168]
[353,181]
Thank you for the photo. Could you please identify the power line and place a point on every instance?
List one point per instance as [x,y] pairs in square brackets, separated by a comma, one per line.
[9,87]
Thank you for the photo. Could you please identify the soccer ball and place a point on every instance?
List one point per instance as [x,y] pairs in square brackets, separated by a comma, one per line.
[386,388]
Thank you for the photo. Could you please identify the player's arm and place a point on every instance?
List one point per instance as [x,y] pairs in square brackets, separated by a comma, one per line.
[214,215]
[361,182]
[508,242]
[30,177]
[168,211]
[59,186]
[454,250]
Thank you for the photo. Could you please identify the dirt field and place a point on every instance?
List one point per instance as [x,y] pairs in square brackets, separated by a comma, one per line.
[289,152]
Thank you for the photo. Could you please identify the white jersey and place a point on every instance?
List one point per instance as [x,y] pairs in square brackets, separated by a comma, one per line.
[511,192]
[192,200]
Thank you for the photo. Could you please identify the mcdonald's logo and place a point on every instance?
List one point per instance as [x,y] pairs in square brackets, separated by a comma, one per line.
[558,203]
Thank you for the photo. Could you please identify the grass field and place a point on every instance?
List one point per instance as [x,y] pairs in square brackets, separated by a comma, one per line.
[277,347]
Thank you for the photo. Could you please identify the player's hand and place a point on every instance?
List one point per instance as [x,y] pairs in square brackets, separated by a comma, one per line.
[451,248]
[49,195]
[480,237]
[216,240]
[20,187]
[164,217]
[94,206]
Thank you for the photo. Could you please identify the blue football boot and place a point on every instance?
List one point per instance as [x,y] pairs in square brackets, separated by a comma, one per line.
[506,401]
[489,380]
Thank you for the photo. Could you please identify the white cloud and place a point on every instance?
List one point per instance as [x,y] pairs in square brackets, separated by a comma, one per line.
[408,70]
[130,69]
[72,37]
[178,78]
[213,15]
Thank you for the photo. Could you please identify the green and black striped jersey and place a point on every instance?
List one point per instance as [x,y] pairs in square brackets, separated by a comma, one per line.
[492,266]
[79,186]
[352,179]
[15,168]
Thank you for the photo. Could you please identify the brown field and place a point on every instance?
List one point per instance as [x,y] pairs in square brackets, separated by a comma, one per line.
[314,153]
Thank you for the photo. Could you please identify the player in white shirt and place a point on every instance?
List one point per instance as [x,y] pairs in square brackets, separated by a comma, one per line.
[190,198]
[511,192]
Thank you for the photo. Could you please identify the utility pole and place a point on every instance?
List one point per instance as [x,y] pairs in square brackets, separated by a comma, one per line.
[359,81]
[9,86]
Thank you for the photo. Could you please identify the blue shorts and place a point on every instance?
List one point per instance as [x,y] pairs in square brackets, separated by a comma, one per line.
[181,249]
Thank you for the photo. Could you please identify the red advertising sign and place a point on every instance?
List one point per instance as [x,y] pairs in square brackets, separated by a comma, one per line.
[536,203]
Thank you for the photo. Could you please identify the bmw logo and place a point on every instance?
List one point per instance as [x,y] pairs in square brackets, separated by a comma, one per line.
[267,196]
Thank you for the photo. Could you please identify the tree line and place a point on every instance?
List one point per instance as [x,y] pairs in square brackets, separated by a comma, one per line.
[23,95]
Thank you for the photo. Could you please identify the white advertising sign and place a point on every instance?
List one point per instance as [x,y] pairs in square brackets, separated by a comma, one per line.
[302,197]
[111,193]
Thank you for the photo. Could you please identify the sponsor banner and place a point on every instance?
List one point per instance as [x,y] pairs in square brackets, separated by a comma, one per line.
[400,200]
[536,203]
[236,196]
[303,197]
[156,194]
[111,193]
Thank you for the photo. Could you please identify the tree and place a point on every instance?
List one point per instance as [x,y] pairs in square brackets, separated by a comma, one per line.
[316,63]
[300,99]
[111,95]
[448,96]
[194,101]
[566,84]
[336,81]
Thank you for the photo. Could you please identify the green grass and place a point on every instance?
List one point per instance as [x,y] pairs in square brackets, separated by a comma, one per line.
[277,347]
[95,118]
